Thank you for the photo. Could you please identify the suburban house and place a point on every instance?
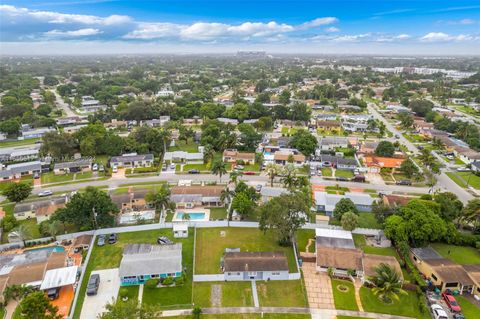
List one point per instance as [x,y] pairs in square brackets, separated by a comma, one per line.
[161,121]
[89,104]
[132,160]
[234,156]
[267,193]
[20,154]
[330,143]
[284,157]
[15,171]
[444,273]
[328,125]
[29,133]
[375,163]
[133,207]
[41,210]
[141,262]
[338,162]
[183,157]
[325,202]
[80,165]
[469,156]
[368,147]
[195,196]
[238,266]
[335,249]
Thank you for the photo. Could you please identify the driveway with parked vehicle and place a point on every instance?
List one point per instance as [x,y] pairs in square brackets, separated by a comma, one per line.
[107,290]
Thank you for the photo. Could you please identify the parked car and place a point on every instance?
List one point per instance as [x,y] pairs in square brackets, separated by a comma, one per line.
[193,171]
[239,167]
[36,175]
[319,173]
[397,136]
[458,315]
[114,168]
[258,188]
[112,239]
[93,284]
[463,169]
[404,182]
[172,166]
[438,312]
[95,167]
[45,193]
[342,179]
[101,168]
[101,240]
[162,240]
[248,173]
[53,293]
[451,302]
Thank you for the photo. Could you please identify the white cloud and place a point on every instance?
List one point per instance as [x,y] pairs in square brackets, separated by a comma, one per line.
[332,29]
[318,22]
[464,22]
[351,38]
[392,38]
[444,37]
[74,33]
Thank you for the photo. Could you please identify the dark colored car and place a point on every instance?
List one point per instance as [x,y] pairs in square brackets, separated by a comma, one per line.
[53,293]
[248,173]
[404,182]
[112,239]
[451,302]
[93,284]
[458,316]
[342,179]
[101,240]
[162,240]
[194,171]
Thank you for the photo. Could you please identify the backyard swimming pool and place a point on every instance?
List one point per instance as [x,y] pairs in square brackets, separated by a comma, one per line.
[54,249]
[193,215]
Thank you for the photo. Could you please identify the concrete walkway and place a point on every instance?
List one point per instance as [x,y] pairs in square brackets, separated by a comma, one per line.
[255,294]
[10,308]
[318,286]
[357,285]
[140,294]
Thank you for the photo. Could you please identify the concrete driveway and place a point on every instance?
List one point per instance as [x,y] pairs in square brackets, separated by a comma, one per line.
[108,290]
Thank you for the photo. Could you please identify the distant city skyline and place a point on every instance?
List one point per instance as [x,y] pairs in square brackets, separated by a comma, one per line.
[324,27]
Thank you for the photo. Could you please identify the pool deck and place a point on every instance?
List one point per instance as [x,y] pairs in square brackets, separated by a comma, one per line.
[206,211]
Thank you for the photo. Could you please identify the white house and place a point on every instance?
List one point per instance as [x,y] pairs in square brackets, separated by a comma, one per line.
[327,202]
[132,160]
[180,230]
[240,266]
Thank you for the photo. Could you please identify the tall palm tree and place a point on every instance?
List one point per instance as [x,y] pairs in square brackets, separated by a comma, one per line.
[388,283]
[219,167]
[165,136]
[272,171]
[234,177]
[471,212]
[226,195]
[53,228]
[427,158]
[24,232]
[289,180]
[208,154]
[160,199]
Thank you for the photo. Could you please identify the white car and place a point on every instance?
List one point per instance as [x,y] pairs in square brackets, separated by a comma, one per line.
[438,312]
[95,167]
[114,169]
[45,193]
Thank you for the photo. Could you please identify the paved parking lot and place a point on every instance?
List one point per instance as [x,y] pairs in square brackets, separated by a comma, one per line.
[108,290]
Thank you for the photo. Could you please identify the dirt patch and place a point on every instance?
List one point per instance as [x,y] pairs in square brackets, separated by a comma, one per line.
[262,289]
[343,288]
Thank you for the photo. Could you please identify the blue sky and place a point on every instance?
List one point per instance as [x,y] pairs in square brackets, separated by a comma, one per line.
[308,26]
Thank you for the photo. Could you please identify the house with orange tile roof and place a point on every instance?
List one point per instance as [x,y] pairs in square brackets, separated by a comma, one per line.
[375,163]
[233,156]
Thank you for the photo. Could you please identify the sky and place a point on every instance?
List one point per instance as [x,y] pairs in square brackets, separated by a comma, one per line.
[424,27]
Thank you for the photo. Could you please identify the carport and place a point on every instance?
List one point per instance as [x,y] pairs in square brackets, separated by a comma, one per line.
[64,279]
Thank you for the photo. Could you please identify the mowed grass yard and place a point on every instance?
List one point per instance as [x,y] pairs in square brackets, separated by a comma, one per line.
[210,246]
[233,294]
[344,300]
[460,254]
[109,256]
[468,309]
[278,293]
[407,305]
[218,213]
[461,179]
[303,235]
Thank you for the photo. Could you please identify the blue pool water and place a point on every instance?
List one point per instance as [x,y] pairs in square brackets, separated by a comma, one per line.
[193,216]
[55,249]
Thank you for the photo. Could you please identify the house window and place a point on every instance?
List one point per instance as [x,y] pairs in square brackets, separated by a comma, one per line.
[478,289]
[252,274]
[171,275]
[451,284]
[238,274]
[229,273]
[434,277]
[275,274]
[154,276]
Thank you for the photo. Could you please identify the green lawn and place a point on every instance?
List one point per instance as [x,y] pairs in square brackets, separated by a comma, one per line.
[50,177]
[303,235]
[132,293]
[18,142]
[191,147]
[252,167]
[85,175]
[368,220]
[468,309]
[347,317]
[326,171]
[218,213]
[344,300]
[461,179]
[460,254]
[33,226]
[109,256]
[343,173]
[233,294]
[407,305]
[210,246]
[359,240]
[279,293]
[200,167]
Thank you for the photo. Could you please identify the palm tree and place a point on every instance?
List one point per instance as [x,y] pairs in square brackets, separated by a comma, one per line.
[219,167]
[471,212]
[272,171]
[23,232]
[289,180]
[427,158]
[226,195]
[234,177]
[388,283]
[160,199]
[208,154]
[186,217]
[53,228]
[165,136]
